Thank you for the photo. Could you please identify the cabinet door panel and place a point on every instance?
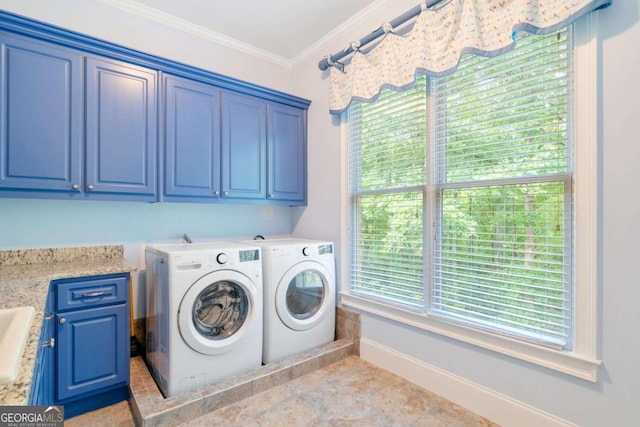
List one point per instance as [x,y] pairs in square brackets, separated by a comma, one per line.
[40,116]
[121,128]
[244,140]
[91,350]
[192,139]
[287,154]
[41,387]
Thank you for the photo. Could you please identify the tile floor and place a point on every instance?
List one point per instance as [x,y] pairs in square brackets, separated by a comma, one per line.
[350,392]
[151,409]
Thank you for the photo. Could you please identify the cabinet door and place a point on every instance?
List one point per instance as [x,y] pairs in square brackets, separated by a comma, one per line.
[287,154]
[244,147]
[41,387]
[192,139]
[40,115]
[92,350]
[121,119]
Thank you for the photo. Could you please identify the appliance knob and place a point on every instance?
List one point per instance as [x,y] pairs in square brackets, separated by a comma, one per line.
[222,258]
[306,251]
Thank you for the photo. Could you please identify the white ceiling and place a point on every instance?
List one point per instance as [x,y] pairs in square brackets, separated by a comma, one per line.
[284,28]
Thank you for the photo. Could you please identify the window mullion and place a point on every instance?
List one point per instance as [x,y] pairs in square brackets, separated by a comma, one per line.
[431,200]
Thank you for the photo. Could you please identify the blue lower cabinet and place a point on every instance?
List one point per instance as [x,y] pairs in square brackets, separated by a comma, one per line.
[92,350]
[83,360]
[42,385]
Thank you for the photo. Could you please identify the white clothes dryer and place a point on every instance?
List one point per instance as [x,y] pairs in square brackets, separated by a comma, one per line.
[299,296]
[204,313]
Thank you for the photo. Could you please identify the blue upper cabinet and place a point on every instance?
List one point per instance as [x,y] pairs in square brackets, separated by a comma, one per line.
[244,147]
[40,116]
[191,140]
[223,146]
[287,154]
[121,139]
[74,126]
[82,118]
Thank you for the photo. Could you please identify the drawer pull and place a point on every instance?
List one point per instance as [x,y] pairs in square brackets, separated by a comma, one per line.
[51,342]
[92,294]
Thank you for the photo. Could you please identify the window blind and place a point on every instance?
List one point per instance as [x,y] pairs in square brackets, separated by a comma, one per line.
[502,176]
[497,254]
[387,163]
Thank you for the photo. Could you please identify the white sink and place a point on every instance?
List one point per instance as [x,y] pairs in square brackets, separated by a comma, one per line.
[15,324]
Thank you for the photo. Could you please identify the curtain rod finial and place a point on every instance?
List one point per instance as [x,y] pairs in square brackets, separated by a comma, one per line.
[325,63]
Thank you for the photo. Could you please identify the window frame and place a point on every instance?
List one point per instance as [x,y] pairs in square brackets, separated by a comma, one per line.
[582,360]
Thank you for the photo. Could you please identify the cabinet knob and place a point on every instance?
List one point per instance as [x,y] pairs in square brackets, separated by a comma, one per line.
[51,342]
[217,193]
[270,196]
[226,193]
[75,186]
[63,320]
[90,187]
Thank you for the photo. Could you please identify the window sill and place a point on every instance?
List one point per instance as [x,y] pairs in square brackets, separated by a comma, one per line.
[567,362]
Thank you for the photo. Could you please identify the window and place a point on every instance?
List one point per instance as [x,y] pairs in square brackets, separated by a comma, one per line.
[462,213]
[388,177]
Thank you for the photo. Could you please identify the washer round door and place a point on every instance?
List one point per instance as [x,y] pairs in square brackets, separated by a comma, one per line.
[305,295]
[217,311]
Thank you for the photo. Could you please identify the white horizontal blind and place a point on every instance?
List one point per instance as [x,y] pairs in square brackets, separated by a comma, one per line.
[387,163]
[502,175]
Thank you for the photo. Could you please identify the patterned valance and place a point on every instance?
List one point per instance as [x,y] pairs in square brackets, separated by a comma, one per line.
[440,36]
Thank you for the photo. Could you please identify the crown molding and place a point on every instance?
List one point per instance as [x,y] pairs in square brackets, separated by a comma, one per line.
[135,8]
[87,45]
[340,32]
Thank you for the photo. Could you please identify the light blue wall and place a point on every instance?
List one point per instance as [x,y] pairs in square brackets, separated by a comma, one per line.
[53,223]
[26,223]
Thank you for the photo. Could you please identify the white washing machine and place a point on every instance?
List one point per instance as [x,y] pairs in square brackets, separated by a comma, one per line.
[299,296]
[204,313]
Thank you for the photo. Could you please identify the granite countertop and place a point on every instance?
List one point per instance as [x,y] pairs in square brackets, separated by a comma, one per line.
[24,281]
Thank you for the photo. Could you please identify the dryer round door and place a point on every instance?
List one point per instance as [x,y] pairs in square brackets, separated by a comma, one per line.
[217,311]
[305,295]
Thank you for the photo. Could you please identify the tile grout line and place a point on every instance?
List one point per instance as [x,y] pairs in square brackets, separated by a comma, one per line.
[229,391]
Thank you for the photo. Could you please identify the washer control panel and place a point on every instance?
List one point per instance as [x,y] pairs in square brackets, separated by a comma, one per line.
[222,258]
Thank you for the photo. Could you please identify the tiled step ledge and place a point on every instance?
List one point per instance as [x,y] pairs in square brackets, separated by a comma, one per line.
[151,409]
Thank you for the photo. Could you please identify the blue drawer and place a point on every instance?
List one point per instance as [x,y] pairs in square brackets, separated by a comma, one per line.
[91,293]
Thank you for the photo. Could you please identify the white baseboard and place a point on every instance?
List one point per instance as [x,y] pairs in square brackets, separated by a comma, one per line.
[485,402]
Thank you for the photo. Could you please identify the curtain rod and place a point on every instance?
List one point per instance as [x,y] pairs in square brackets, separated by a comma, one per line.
[328,61]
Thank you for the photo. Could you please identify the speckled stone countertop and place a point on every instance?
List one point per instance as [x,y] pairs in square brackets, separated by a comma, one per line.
[24,281]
